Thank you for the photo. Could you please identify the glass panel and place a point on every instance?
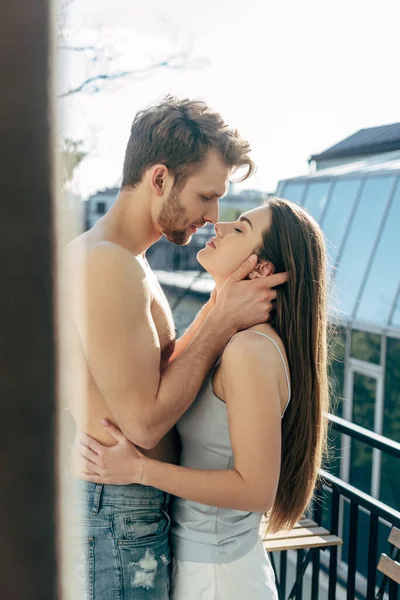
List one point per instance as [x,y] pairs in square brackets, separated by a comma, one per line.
[338,213]
[378,296]
[280,188]
[390,481]
[316,197]
[390,471]
[366,346]
[364,394]
[396,315]
[360,241]
[294,191]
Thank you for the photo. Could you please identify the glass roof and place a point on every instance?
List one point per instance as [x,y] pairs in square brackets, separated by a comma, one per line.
[358,208]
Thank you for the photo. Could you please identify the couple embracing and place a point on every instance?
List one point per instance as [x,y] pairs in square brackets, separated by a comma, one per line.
[183,444]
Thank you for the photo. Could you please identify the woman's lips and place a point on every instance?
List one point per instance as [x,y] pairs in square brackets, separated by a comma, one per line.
[211,244]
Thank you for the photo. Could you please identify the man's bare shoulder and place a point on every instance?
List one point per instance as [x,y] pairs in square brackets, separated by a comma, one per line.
[93,258]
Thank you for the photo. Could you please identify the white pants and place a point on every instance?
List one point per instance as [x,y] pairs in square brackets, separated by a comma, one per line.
[248,578]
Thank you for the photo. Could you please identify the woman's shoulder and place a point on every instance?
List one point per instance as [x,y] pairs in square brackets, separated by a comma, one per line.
[259,335]
[268,332]
[256,343]
[255,348]
[250,354]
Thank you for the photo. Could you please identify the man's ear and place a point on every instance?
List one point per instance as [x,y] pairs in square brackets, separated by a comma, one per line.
[158,179]
[263,270]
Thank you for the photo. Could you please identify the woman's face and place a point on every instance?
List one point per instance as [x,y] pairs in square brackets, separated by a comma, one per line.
[234,242]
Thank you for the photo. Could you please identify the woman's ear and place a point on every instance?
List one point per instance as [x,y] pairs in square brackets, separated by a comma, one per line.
[262,270]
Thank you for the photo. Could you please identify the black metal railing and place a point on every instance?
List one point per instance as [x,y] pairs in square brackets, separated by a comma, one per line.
[328,508]
[377,512]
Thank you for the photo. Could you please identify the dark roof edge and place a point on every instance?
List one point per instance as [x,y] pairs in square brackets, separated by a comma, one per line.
[320,175]
[357,151]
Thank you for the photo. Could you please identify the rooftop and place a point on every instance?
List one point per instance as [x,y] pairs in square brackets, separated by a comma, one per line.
[373,140]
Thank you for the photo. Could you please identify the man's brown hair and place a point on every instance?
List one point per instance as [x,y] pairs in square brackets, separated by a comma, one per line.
[178,134]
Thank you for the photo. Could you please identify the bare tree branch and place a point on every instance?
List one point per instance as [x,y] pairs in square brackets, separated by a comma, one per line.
[78,48]
[104,59]
[175,61]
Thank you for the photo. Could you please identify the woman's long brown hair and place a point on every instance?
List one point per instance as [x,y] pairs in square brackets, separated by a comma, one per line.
[295,243]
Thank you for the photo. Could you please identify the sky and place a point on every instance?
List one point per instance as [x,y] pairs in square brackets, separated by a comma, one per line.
[293,77]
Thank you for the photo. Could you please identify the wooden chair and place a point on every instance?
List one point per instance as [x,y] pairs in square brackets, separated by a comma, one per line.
[305,535]
[390,566]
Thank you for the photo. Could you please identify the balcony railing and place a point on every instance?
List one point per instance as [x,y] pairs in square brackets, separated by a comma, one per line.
[338,506]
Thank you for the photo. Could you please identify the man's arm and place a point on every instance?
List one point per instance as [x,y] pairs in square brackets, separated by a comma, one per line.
[249,374]
[122,347]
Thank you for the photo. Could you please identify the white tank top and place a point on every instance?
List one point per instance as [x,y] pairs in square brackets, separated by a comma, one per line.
[202,533]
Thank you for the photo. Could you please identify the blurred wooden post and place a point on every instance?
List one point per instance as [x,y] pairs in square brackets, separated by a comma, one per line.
[28,557]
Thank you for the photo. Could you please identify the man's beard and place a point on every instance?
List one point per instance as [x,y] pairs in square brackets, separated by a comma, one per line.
[172,214]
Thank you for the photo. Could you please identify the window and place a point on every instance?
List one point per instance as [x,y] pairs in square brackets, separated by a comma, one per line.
[338,213]
[364,393]
[366,346]
[381,286]
[294,191]
[390,472]
[280,188]
[316,197]
[100,208]
[360,241]
[396,314]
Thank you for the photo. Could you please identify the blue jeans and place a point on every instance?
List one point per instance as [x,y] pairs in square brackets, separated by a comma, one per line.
[120,542]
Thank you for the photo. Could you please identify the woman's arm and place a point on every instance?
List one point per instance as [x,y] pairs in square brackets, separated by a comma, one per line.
[250,384]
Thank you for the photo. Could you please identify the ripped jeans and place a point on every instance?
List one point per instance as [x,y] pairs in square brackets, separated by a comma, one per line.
[119,542]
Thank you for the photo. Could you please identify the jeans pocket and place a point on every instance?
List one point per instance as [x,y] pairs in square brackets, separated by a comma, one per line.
[144,551]
[142,528]
[146,568]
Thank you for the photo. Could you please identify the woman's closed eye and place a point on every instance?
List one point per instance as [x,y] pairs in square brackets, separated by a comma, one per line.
[238,230]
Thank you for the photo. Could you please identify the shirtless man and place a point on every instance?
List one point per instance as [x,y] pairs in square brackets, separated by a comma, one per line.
[178,162]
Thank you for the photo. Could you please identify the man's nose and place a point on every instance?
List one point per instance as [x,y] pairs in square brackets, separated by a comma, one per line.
[212,213]
[220,229]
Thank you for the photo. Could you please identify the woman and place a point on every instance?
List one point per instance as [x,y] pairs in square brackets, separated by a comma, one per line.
[253,439]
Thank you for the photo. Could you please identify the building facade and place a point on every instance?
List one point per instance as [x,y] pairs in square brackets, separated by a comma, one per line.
[357,204]
[98,204]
